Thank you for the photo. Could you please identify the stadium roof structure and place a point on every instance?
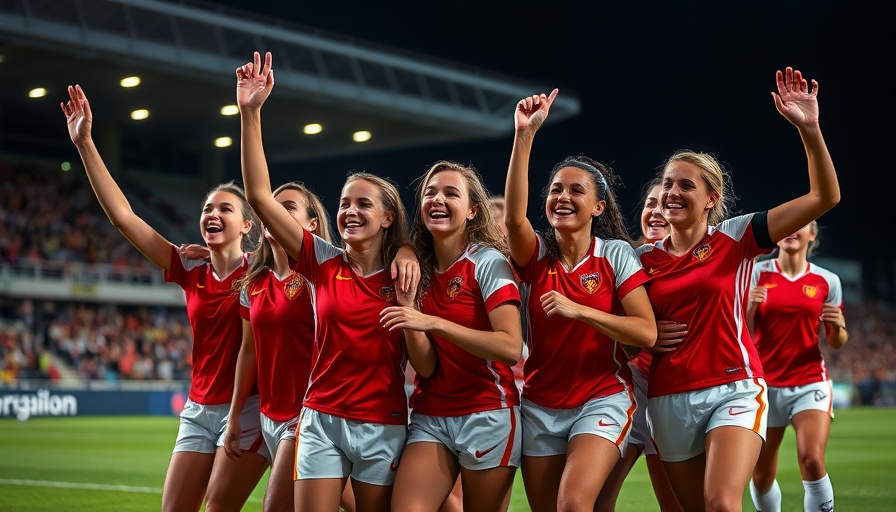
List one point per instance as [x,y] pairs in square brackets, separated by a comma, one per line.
[186,54]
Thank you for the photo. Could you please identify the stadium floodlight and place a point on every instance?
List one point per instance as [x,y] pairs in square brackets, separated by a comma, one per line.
[37,92]
[312,129]
[361,136]
[223,142]
[140,114]
[230,110]
[130,81]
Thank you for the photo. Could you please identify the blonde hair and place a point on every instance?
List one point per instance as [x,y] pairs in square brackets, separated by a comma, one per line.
[396,234]
[714,175]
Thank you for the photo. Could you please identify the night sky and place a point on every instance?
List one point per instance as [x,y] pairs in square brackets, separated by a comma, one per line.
[654,77]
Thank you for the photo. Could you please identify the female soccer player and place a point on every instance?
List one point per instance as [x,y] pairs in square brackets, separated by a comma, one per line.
[789,299]
[277,349]
[355,410]
[198,465]
[466,414]
[707,400]
[586,299]
[653,228]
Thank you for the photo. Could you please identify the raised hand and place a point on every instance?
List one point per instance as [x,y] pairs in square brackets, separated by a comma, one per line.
[254,82]
[794,100]
[532,111]
[77,115]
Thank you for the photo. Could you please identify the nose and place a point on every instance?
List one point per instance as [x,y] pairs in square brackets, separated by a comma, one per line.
[564,195]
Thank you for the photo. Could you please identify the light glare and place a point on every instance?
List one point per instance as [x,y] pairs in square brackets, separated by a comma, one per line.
[139,114]
[230,110]
[223,142]
[37,92]
[312,129]
[361,136]
[130,81]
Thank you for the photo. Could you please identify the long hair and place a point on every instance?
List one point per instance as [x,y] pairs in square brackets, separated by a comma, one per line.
[263,257]
[396,234]
[716,178]
[610,225]
[482,229]
[249,241]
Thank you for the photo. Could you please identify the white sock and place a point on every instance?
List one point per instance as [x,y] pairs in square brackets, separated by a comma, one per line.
[768,501]
[819,495]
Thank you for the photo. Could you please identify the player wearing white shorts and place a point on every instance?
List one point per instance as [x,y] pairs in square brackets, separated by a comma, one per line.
[355,410]
[466,409]
[700,278]
[790,297]
[586,298]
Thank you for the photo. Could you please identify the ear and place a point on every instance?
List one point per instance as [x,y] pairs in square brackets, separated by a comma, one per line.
[474,211]
[713,200]
[599,208]
[247,227]
[312,225]
[387,221]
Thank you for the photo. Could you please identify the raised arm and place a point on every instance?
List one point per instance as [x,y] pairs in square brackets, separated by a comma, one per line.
[253,85]
[146,239]
[530,114]
[799,105]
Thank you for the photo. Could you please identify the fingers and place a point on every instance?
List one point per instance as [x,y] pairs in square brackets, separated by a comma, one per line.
[814,87]
[553,95]
[267,64]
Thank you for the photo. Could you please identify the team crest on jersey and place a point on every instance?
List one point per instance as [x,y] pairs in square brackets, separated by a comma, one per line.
[702,252]
[294,286]
[810,291]
[591,282]
[454,286]
[388,293]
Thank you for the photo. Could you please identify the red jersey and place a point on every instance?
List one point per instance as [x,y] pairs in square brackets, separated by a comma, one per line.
[282,319]
[706,290]
[359,372]
[213,310]
[463,383]
[571,362]
[786,324]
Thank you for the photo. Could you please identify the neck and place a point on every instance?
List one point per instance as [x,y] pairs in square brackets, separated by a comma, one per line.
[792,263]
[365,260]
[573,246]
[681,241]
[447,250]
[225,261]
[281,260]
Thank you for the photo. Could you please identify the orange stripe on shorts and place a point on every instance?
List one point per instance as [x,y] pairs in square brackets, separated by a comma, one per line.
[631,414]
[762,406]
[508,450]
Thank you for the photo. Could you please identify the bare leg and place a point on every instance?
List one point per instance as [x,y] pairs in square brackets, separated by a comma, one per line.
[279,495]
[186,481]
[486,489]
[426,474]
[665,496]
[315,494]
[731,454]
[541,476]
[233,480]
[609,493]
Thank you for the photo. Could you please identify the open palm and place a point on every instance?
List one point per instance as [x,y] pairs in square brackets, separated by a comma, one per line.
[794,100]
[77,115]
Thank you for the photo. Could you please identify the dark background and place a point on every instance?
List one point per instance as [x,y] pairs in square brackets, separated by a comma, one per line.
[654,77]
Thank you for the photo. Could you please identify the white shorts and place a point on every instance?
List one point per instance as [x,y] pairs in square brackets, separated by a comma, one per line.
[784,403]
[202,428]
[640,435]
[547,431]
[276,431]
[679,423]
[332,447]
[482,440]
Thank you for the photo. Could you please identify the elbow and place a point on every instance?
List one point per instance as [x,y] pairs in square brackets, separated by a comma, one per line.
[427,372]
[513,354]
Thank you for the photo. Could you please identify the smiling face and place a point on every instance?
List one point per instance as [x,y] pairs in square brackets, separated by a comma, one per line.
[799,242]
[445,203]
[222,221]
[686,198]
[361,215]
[653,225]
[572,200]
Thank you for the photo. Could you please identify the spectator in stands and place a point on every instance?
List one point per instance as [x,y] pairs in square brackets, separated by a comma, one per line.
[227,225]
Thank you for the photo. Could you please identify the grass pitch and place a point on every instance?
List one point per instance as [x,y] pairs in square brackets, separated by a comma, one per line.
[100,464]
